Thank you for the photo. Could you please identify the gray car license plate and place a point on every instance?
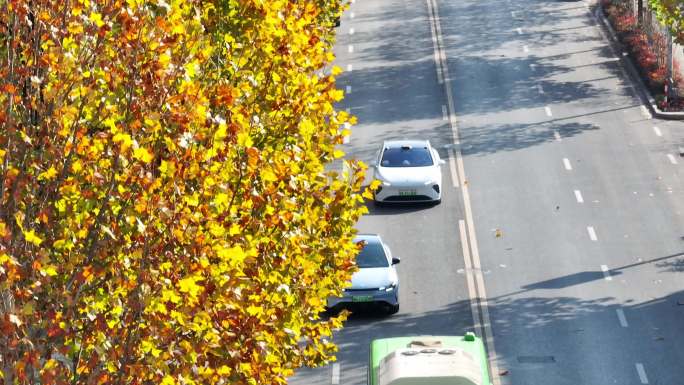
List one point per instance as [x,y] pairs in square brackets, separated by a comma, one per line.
[362,298]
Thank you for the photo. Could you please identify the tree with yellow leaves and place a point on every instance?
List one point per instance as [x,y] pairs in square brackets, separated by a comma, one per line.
[165,211]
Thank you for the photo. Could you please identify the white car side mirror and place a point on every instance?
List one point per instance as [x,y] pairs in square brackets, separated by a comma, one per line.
[372,163]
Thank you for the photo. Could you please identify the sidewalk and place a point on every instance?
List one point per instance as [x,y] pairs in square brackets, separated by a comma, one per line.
[631,66]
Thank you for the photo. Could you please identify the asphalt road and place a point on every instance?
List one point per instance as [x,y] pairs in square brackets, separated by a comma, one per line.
[584,284]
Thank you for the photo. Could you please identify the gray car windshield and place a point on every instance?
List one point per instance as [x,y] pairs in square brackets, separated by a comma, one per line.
[371,255]
[406,157]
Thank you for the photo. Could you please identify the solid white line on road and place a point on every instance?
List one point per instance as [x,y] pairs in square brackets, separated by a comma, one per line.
[673,160]
[578,195]
[335,374]
[472,292]
[452,167]
[351,31]
[557,136]
[606,273]
[540,89]
[642,373]
[567,164]
[526,49]
[622,318]
[350,67]
[519,31]
[348,90]
[351,48]
[480,300]
[444,113]
[435,45]
[592,233]
[548,111]
[657,131]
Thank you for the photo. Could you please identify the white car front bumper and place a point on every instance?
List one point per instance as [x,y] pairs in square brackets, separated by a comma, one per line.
[410,193]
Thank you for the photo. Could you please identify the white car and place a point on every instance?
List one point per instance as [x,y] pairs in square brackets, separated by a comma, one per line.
[376,282]
[409,170]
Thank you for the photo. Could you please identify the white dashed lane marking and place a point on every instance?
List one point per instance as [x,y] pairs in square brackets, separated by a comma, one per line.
[657,131]
[557,136]
[335,374]
[350,67]
[642,373]
[348,90]
[540,89]
[547,109]
[351,31]
[351,48]
[526,49]
[672,159]
[519,30]
[578,196]
[592,236]
[621,318]
[566,163]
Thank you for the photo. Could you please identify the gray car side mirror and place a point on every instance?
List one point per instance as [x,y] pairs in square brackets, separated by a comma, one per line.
[395,260]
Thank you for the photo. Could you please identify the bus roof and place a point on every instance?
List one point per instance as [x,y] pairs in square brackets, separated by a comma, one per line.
[428,360]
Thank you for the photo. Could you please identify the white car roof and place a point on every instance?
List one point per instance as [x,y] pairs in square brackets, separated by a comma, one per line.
[406,142]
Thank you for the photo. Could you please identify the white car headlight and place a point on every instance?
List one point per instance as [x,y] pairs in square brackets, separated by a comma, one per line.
[391,287]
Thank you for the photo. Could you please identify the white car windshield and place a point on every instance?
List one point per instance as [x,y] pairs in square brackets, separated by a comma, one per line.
[406,157]
[371,255]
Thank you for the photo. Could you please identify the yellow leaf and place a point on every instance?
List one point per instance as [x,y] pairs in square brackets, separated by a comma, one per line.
[142,154]
[167,169]
[336,70]
[338,154]
[49,174]
[168,380]
[96,18]
[234,229]
[124,140]
[189,285]
[49,270]
[254,310]
[243,139]
[221,200]
[221,132]
[268,175]
[224,370]
[217,230]
[31,237]
[234,255]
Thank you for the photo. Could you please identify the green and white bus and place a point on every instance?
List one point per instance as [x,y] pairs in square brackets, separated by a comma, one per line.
[428,360]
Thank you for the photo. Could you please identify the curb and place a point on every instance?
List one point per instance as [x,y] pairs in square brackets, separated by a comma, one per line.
[634,74]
